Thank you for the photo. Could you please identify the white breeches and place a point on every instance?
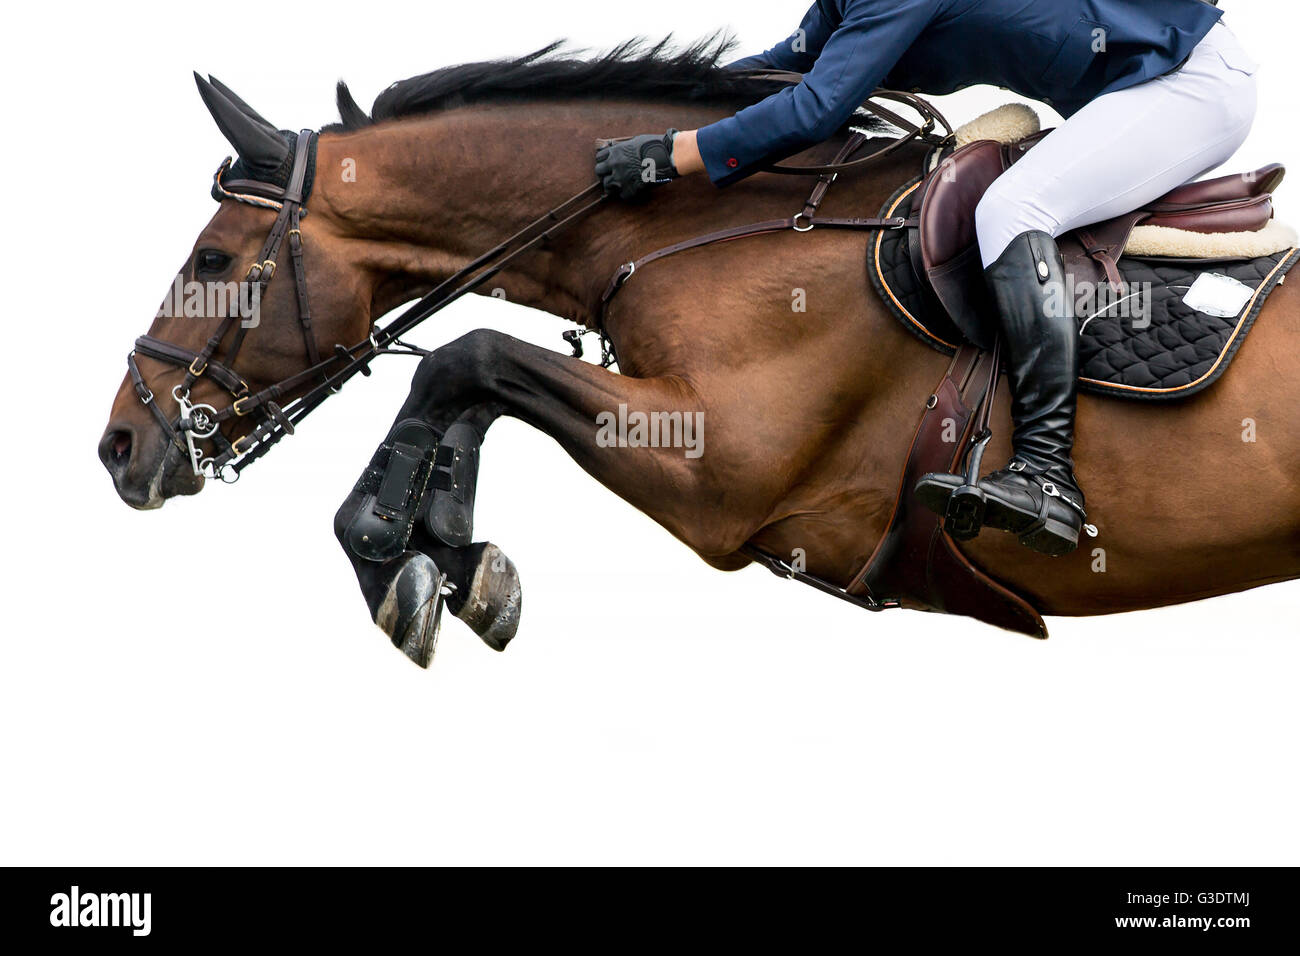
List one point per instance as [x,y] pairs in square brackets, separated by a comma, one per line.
[1127,148]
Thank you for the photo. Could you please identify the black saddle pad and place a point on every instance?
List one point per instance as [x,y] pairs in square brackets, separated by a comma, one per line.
[1152,347]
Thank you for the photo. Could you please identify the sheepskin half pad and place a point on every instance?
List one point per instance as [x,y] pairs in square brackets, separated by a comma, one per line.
[1154,347]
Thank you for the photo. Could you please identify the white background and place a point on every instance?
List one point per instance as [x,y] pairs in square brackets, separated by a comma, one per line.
[203,684]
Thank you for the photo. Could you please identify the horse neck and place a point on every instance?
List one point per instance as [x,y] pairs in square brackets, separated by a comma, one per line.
[422,197]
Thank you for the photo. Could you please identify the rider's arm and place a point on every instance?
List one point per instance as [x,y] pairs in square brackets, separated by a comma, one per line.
[796,52]
[873,36]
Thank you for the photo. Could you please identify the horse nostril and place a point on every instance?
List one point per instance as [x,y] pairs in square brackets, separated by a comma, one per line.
[115,449]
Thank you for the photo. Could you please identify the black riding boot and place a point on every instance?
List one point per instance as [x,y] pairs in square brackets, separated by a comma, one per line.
[1036,496]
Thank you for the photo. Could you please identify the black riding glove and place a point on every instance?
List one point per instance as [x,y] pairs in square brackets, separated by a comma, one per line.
[630,167]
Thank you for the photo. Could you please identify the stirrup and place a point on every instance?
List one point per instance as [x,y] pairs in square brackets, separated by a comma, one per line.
[963,519]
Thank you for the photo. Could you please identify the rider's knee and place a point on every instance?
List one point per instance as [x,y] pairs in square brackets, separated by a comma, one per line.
[1006,211]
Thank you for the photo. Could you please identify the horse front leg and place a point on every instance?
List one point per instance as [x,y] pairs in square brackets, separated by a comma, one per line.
[642,438]
[432,556]
[483,588]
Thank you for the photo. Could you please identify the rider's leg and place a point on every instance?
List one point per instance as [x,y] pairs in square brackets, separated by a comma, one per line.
[1126,149]
[1119,152]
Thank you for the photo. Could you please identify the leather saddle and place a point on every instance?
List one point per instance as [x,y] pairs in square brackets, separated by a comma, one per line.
[916,563]
[946,254]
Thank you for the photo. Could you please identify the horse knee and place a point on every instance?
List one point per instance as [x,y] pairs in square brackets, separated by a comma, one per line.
[476,351]
[459,364]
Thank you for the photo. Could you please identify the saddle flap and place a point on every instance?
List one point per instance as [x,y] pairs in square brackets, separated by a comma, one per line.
[916,562]
[949,198]
[948,241]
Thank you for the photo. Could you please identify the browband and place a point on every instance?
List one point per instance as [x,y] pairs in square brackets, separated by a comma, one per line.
[232,180]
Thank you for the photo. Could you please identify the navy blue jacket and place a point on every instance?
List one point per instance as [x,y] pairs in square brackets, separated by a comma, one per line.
[1063,52]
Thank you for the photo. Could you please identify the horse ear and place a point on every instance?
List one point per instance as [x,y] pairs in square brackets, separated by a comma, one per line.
[248,111]
[261,147]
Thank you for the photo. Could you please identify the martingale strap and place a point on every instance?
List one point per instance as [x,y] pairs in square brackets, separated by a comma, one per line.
[803,221]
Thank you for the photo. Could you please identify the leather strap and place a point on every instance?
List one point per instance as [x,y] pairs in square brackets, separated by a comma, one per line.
[916,563]
[1100,253]
[797,223]
[930,117]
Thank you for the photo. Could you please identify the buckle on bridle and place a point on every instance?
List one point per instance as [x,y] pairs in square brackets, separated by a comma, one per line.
[261,271]
[238,402]
[201,369]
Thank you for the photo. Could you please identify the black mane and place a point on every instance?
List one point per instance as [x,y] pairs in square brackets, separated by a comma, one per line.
[632,70]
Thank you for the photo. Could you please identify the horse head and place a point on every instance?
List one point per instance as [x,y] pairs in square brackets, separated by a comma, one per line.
[229,349]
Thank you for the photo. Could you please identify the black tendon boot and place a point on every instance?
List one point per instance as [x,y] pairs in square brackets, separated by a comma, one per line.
[376,518]
[402,588]
[1036,496]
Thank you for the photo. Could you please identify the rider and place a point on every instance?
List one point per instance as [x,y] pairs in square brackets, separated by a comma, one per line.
[1156,93]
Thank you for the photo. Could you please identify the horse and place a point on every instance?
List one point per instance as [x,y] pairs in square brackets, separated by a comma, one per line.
[804,386]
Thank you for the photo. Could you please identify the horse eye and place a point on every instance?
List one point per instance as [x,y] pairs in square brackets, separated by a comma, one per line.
[211,261]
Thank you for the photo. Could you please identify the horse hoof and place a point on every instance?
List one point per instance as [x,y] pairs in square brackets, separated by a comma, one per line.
[410,611]
[494,600]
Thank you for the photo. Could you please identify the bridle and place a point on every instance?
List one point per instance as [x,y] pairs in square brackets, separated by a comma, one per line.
[273,417]
[272,420]
[196,422]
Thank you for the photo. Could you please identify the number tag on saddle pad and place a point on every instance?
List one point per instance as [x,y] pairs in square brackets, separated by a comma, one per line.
[1221,296]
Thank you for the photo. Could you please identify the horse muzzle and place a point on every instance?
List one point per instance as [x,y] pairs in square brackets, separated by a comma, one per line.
[146,468]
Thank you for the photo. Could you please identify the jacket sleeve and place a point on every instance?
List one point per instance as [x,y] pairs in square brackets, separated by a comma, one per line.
[796,52]
[870,40]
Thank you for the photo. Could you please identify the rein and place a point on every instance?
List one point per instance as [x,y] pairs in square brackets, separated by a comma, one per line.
[272,421]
